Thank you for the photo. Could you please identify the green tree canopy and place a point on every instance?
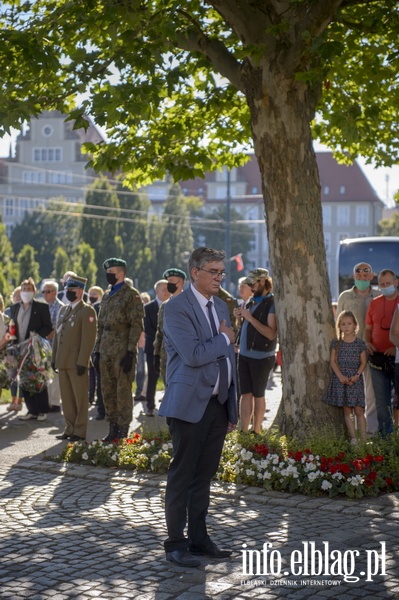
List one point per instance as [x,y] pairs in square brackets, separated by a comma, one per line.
[45,229]
[84,263]
[389,226]
[62,263]
[9,271]
[182,86]
[100,224]
[176,240]
[28,266]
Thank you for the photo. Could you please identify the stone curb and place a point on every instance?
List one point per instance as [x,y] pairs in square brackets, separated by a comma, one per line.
[385,507]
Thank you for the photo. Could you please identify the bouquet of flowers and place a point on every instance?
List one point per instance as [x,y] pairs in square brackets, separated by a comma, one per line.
[4,372]
[33,364]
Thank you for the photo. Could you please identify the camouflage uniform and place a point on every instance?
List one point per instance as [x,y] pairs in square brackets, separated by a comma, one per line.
[159,348]
[120,323]
[231,305]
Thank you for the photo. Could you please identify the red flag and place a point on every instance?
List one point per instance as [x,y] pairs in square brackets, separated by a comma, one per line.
[239,262]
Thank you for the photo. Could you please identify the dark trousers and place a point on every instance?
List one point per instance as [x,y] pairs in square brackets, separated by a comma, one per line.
[196,454]
[152,378]
[37,403]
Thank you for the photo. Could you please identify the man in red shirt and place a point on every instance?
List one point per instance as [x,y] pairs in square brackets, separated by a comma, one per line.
[380,348]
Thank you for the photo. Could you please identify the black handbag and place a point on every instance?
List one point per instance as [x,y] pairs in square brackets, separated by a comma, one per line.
[382,362]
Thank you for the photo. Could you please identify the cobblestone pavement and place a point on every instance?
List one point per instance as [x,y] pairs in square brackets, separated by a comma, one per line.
[68,531]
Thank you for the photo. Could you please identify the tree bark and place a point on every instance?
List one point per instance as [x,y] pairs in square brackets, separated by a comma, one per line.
[281,111]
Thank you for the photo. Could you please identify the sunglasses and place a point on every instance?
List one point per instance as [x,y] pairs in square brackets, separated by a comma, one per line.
[365,270]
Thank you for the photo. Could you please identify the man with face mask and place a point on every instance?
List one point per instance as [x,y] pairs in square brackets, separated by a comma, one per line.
[175,278]
[357,300]
[120,323]
[380,348]
[73,344]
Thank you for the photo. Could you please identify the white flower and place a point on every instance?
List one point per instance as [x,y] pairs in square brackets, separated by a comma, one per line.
[249,472]
[246,454]
[326,485]
[85,456]
[338,475]
[356,480]
[267,475]
[165,447]
[310,466]
[114,456]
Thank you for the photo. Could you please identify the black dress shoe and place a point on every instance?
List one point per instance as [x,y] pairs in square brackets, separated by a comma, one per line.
[54,408]
[182,558]
[63,436]
[210,550]
[76,438]
[100,418]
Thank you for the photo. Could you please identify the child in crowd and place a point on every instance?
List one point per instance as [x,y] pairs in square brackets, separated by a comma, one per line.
[348,360]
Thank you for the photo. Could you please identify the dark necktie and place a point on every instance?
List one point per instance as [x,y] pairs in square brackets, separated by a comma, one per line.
[223,371]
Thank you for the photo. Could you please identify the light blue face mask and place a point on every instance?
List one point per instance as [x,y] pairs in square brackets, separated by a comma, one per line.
[388,291]
[362,285]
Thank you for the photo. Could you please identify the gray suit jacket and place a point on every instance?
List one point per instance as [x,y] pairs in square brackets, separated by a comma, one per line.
[192,367]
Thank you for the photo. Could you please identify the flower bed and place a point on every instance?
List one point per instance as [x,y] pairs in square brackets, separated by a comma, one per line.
[266,461]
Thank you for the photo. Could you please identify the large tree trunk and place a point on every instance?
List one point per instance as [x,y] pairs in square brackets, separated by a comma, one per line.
[281,117]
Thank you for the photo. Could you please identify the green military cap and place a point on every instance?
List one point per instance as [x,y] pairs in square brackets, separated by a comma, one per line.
[174,273]
[76,281]
[114,262]
[255,275]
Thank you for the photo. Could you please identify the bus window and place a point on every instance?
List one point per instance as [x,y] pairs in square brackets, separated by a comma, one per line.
[380,252]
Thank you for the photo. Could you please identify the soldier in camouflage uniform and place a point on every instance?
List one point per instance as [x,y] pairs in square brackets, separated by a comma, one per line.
[120,323]
[175,279]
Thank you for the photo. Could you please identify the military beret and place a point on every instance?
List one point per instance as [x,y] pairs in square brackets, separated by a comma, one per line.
[174,273]
[76,281]
[255,275]
[114,262]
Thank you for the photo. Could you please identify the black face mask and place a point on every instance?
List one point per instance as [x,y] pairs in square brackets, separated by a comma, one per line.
[93,299]
[71,296]
[111,278]
[171,287]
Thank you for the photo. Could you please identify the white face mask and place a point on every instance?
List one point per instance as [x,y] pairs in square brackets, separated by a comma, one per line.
[27,297]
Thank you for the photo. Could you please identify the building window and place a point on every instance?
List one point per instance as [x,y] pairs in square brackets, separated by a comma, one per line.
[34,177]
[327,241]
[58,177]
[47,131]
[326,190]
[342,190]
[326,215]
[47,154]
[362,215]
[343,215]
[342,236]
[9,207]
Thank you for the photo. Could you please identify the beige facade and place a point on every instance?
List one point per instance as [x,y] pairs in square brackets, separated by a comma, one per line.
[48,164]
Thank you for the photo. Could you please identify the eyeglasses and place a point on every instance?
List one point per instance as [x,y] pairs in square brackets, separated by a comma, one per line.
[48,291]
[365,270]
[215,274]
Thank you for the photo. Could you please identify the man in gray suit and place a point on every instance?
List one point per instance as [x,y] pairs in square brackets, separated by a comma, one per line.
[200,404]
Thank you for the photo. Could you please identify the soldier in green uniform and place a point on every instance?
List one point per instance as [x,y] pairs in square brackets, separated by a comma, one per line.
[75,335]
[175,279]
[120,323]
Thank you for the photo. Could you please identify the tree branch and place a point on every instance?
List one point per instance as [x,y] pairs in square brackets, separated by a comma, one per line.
[216,52]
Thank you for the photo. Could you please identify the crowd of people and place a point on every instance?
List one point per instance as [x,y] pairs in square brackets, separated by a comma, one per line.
[210,350]
[365,355]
